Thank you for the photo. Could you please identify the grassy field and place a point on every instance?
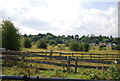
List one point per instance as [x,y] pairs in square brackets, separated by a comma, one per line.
[94,49]
[111,73]
[20,68]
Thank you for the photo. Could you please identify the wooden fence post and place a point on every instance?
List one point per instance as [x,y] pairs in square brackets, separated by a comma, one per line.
[72,54]
[112,56]
[45,52]
[60,53]
[90,55]
[68,63]
[106,56]
[23,59]
[82,55]
[45,55]
[76,61]
[99,56]
[51,53]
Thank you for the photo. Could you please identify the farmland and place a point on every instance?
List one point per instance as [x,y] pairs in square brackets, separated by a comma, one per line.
[39,62]
[48,55]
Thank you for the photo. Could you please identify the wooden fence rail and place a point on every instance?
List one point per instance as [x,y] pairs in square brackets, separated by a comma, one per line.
[56,52]
[67,58]
[29,78]
[72,53]
[59,64]
[91,55]
[60,57]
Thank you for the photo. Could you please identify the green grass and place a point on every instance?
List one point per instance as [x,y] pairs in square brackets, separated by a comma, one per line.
[18,68]
[110,73]
[62,48]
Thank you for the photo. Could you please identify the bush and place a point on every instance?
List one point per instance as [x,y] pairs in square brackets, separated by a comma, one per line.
[74,46]
[118,47]
[111,73]
[52,42]
[114,72]
[93,48]
[81,48]
[101,47]
[42,44]
[113,47]
[86,47]
[61,46]
[27,43]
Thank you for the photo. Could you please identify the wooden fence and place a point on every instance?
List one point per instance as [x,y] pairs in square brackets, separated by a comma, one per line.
[29,78]
[61,58]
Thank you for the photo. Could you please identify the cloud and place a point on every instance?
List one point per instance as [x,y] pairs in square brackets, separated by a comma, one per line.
[59,17]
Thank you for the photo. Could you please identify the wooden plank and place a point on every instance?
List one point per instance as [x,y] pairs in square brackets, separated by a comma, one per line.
[11,77]
[68,63]
[51,53]
[76,61]
[60,53]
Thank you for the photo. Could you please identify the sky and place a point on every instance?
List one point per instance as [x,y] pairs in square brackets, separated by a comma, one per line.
[62,17]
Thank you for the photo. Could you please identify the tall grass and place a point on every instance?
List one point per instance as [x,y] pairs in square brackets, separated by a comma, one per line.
[112,73]
[63,48]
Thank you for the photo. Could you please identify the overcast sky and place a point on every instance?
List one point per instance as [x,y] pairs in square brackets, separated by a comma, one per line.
[62,17]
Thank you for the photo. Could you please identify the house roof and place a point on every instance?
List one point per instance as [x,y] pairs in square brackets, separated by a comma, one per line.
[102,44]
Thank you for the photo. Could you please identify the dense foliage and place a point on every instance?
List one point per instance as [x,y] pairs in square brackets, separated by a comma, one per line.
[42,44]
[10,36]
[27,43]
[74,46]
[82,42]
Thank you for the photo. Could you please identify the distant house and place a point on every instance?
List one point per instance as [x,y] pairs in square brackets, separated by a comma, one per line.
[93,44]
[110,44]
[102,44]
[2,49]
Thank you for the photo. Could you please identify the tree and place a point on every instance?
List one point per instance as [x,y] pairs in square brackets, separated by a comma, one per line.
[0,38]
[76,36]
[10,36]
[102,47]
[27,43]
[25,35]
[59,41]
[74,46]
[81,47]
[86,47]
[52,42]
[42,44]
[118,47]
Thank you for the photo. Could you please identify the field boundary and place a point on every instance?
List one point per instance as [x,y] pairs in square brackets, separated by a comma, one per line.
[11,55]
[27,78]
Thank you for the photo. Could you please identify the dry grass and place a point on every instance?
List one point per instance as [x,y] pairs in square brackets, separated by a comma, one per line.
[96,51]
[48,66]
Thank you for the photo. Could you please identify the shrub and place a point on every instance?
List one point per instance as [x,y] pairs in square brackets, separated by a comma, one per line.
[27,43]
[52,42]
[74,46]
[61,46]
[42,44]
[93,48]
[114,72]
[86,47]
[113,47]
[81,48]
[101,47]
[118,47]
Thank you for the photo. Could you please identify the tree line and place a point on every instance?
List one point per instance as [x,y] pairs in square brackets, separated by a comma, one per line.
[11,39]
